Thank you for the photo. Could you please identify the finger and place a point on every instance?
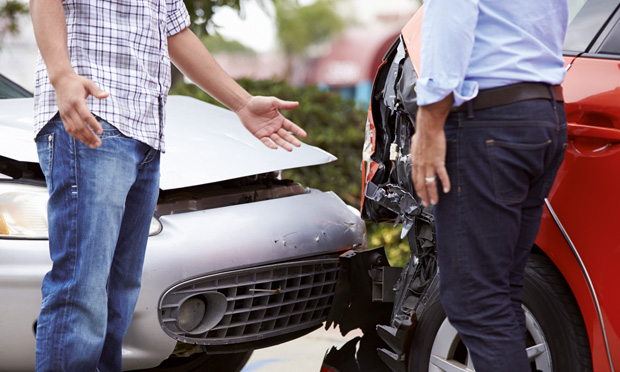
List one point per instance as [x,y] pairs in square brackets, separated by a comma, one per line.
[288,137]
[294,128]
[281,142]
[90,127]
[431,189]
[420,187]
[267,142]
[94,90]
[77,127]
[86,116]
[89,119]
[442,173]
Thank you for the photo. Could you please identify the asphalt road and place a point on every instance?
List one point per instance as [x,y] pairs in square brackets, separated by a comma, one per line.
[304,354]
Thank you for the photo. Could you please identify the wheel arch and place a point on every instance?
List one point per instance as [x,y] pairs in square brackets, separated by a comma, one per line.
[554,243]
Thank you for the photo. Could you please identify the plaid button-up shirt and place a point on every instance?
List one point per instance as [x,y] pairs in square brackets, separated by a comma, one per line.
[122,46]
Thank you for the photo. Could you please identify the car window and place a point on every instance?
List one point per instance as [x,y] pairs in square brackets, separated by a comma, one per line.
[9,89]
[611,43]
[587,20]
[574,6]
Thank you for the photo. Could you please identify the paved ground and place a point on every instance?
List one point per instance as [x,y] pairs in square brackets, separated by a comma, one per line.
[304,354]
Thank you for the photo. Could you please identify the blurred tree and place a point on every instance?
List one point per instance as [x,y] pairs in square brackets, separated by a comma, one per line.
[217,44]
[10,10]
[300,27]
[201,11]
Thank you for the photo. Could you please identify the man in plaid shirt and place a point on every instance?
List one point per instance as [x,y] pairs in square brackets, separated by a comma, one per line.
[101,88]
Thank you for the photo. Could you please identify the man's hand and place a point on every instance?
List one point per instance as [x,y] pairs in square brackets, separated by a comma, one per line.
[428,151]
[71,92]
[261,116]
[50,30]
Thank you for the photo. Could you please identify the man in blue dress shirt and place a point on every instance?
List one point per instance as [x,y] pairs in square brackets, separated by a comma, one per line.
[491,134]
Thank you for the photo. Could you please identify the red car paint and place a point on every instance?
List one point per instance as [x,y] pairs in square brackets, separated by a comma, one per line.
[585,195]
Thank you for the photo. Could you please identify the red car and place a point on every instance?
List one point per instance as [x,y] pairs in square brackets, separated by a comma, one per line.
[572,307]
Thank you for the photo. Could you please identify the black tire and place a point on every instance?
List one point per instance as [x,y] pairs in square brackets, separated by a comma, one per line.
[555,327]
[202,362]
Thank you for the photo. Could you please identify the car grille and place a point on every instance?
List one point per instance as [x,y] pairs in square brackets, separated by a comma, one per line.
[261,302]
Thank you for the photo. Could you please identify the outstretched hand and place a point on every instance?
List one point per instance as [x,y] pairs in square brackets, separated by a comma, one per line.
[261,116]
[71,93]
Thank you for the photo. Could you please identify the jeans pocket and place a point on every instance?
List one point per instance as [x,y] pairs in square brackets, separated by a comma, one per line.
[109,130]
[514,166]
[45,150]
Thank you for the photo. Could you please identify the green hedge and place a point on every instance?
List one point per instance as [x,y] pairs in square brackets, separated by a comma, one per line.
[335,125]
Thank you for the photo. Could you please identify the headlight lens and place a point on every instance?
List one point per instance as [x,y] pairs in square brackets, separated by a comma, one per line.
[156,226]
[23,212]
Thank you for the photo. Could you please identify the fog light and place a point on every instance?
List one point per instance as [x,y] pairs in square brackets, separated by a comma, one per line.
[200,313]
[191,313]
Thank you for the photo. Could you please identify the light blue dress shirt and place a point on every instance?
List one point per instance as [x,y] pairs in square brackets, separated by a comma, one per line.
[469,45]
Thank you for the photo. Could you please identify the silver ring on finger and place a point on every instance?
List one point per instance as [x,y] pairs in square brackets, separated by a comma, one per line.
[429,179]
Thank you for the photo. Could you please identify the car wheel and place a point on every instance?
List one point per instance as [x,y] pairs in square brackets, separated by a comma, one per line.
[556,336]
[202,362]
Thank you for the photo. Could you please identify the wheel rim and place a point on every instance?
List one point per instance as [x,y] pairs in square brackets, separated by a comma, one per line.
[448,353]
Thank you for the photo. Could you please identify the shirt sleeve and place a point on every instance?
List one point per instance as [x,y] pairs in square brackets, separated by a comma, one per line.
[448,28]
[178,17]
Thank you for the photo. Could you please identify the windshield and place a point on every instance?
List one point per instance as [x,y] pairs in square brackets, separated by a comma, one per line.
[9,89]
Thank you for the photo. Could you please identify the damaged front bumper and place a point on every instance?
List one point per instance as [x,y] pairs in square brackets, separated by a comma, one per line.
[383,301]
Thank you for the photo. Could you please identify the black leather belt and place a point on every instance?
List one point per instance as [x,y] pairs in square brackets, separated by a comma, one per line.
[512,93]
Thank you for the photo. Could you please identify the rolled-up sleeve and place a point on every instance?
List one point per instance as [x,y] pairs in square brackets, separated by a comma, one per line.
[178,17]
[448,30]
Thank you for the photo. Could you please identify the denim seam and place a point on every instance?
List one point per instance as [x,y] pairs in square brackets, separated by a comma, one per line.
[460,232]
[150,156]
[67,313]
[51,140]
[551,173]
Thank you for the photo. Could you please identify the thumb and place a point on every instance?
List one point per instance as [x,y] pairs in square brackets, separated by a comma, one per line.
[95,91]
[285,105]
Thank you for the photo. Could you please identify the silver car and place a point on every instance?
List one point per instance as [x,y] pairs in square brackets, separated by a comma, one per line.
[238,258]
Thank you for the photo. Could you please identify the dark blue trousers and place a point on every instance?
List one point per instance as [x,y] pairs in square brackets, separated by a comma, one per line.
[502,162]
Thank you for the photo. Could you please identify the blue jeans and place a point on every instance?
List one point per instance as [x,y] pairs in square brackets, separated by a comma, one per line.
[502,163]
[99,212]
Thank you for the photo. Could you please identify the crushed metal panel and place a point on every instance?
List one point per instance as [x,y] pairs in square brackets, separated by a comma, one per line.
[206,144]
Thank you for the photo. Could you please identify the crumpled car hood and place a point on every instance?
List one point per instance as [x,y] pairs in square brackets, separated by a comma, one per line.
[204,144]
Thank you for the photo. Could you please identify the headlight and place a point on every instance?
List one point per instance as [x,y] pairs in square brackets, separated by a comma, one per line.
[156,226]
[23,212]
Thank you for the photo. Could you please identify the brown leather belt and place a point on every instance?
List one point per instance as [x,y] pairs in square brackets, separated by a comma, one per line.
[512,93]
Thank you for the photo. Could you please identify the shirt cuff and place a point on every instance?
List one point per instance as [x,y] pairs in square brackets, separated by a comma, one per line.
[178,19]
[429,92]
